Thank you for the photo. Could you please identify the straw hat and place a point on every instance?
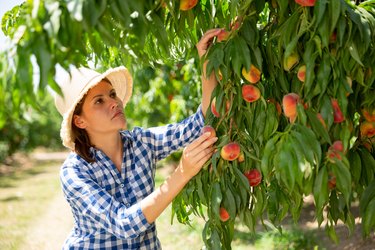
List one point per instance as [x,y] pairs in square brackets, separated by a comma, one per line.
[75,87]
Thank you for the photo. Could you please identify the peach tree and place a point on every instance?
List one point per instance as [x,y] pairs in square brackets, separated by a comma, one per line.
[294,109]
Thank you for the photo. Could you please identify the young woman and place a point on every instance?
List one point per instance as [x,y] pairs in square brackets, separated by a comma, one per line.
[108,178]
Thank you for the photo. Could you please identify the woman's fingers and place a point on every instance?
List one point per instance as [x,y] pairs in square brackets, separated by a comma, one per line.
[204,141]
[206,40]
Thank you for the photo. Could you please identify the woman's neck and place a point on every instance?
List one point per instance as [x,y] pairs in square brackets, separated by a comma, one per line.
[111,145]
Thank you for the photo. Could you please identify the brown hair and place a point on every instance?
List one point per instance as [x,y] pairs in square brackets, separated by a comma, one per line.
[81,138]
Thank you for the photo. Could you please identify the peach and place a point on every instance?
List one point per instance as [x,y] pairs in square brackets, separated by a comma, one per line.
[187,4]
[301,74]
[306,3]
[254,177]
[335,151]
[367,129]
[213,108]
[250,93]
[252,75]
[230,151]
[223,35]
[331,181]
[210,129]
[241,157]
[291,61]
[337,113]
[236,24]
[277,105]
[224,215]
[290,102]
[320,118]
[369,114]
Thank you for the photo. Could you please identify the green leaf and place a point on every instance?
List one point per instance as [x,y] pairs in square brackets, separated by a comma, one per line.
[335,11]
[216,198]
[355,165]
[368,218]
[354,53]
[320,191]
[317,126]
[343,179]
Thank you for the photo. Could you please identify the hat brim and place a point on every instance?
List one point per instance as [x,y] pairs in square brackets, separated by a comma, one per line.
[121,81]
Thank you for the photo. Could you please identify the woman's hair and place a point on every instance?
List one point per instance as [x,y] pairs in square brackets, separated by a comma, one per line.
[81,137]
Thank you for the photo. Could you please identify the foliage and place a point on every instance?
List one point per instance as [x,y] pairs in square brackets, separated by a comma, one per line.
[321,145]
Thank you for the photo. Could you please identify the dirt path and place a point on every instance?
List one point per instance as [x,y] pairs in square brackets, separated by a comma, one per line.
[50,230]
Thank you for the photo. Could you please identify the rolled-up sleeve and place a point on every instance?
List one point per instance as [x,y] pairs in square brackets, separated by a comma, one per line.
[100,208]
[167,139]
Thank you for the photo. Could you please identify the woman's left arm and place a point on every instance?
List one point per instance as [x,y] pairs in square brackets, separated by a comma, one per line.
[208,82]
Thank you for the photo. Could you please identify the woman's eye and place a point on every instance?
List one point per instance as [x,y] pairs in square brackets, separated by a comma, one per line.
[98,101]
[113,95]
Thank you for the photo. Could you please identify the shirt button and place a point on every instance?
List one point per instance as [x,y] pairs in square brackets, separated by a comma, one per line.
[122,185]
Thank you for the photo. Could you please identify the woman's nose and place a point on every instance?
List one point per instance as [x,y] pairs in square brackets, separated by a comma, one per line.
[114,104]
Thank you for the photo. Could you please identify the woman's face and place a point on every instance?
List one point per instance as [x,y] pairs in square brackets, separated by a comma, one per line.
[102,111]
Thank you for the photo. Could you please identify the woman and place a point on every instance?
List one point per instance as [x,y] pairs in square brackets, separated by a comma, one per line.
[108,178]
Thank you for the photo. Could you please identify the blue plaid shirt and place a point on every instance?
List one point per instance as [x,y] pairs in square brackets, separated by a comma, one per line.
[106,203]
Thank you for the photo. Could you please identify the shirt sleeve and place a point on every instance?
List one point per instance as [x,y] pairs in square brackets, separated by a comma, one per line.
[167,139]
[96,206]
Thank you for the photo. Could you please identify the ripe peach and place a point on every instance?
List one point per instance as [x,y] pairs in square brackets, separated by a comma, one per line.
[290,102]
[301,74]
[337,114]
[308,3]
[224,215]
[230,151]
[254,177]
[223,35]
[367,129]
[291,61]
[241,157]
[252,75]
[187,4]
[213,108]
[210,129]
[250,93]
[369,114]
[335,151]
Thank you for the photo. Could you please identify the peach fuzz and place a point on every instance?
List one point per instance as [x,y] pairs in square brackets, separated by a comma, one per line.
[290,102]
[252,75]
[230,151]
[187,4]
[250,93]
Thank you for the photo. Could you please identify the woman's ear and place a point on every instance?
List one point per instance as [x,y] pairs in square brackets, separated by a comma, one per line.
[79,121]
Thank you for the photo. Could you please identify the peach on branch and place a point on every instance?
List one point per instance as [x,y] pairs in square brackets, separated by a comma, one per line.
[306,3]
[241,157]
[337,113]
[223,35]
[290,102]
[250,93]
[369,114]
[252,75]
[254,177]
[187,4]
[335,151]
[331,181]
[213,108]
[224,215]
[230,151]
[367,129]
[290,61]
[301,74]
[210,129]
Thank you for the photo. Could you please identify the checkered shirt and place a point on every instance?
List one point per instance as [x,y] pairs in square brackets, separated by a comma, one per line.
[106,203]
